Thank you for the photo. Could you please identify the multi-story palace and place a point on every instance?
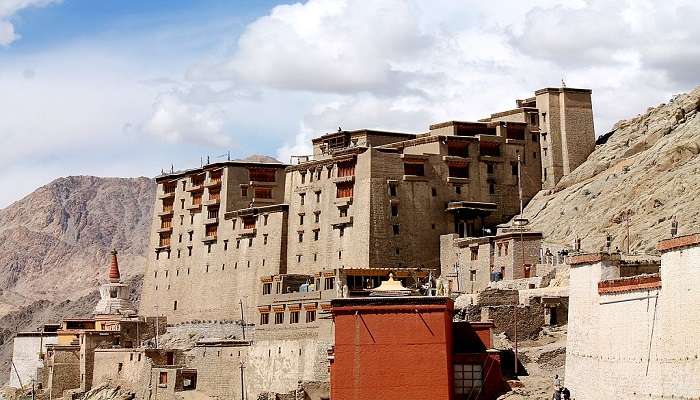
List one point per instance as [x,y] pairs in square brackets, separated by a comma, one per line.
[365,202]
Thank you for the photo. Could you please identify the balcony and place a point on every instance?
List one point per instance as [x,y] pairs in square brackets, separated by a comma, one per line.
[247,232]
[212,201]
[458,180]
[209,238]
[196,206]
[166,195]
[165,229]
[456,159]
[211,220]
[341,179]
[212,183]
[167,210]
[343,221]
[194,187]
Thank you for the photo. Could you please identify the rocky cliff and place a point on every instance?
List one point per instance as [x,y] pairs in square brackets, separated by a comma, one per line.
[55,244]
[646,171]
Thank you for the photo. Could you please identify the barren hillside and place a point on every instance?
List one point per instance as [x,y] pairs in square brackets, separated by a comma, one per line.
[55,244]
[649,167]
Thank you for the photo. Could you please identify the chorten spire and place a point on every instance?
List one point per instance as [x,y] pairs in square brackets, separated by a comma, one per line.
[114,275]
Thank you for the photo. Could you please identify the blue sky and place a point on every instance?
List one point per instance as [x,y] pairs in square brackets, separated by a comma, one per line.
[126,88]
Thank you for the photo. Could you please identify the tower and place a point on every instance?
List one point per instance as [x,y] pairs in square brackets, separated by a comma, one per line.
[566,128]
[114,295]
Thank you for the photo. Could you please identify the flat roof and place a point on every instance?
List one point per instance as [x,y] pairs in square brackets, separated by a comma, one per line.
[361,131]
[562,90]
[220,164]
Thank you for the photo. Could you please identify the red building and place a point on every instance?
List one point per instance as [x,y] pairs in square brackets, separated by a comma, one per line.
[406,348]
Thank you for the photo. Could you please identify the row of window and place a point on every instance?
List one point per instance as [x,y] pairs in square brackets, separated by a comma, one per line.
[346,168]
[293,317]
[502,251]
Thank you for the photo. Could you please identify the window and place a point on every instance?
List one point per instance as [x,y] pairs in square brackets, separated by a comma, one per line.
[316,235]
[238,243]
[340,255]
[175,305]
[250,242]
[330,171]
[490,168]
[472,276]
[303,177]
[346,169]
[189,251]
[458,189]
[294,317]
[458,171]
[392,189]
[261,174]
[225,245]
[264,318]
[264,239]
[315,257]
[433,192]
[329,283]
[182,204]
[317,217]
[263,193]
[413,169]
[394,210]
[163,378]
[467,378]
[533,119]
[474,253]
[265,219]
[182,217]
[179,238]
[267,288]
[279,316]
[341,231]
[395,229]
[397,251]
[535,138]
[514,168]
[301,237]
[248,222]
[310,316]
[343,212]
[318,197]
[492,188]
[544,151]
[500,246]
[191,219]
[244,191]
[301,219]
[505,248]
[298,258]
[178,253]
[344,189]
[301,198]
[545,174]
[534,155]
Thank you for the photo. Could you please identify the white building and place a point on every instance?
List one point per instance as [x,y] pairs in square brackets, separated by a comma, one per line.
[635,337]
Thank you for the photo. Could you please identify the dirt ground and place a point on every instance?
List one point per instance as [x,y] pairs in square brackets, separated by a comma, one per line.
[543,358]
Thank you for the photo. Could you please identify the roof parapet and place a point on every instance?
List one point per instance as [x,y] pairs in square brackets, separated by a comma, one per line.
[679,242]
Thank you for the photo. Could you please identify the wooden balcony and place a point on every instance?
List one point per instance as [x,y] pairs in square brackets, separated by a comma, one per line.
[210,238]
[166,195]
[194,187]
[211,220]
[247,232]
[166,211]
[165,229]
[192,207]
[212,183]
[212,201]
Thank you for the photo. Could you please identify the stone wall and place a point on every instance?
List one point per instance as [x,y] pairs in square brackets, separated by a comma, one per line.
[127,368]
[635,341]
[64,370]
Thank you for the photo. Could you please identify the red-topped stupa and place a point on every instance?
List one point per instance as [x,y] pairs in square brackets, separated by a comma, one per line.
[114,295]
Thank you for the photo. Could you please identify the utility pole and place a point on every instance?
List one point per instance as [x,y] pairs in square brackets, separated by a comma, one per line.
[242,322]
[522,247]
[242,386]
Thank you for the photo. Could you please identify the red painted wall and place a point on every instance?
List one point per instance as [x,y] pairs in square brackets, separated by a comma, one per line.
[392,351]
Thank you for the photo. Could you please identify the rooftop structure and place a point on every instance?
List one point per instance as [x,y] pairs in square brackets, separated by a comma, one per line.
[407,347]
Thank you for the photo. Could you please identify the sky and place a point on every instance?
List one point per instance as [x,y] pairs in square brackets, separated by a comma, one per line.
[129,88]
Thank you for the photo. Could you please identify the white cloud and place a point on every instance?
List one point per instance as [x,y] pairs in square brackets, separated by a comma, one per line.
[8,8]
[176,121]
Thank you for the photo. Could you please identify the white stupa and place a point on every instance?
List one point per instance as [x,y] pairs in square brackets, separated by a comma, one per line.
[114,295]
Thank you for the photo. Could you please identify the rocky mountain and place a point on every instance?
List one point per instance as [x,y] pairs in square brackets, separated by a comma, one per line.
[643,173]
[55,245]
